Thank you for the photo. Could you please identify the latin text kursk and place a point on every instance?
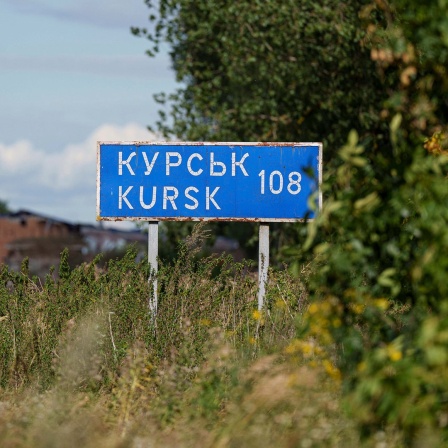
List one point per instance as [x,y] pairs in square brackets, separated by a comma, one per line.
[196,166]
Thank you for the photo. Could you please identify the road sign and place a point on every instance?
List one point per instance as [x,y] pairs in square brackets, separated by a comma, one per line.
[264,182]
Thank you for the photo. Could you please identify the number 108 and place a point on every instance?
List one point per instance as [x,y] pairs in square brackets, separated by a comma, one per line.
[276,182]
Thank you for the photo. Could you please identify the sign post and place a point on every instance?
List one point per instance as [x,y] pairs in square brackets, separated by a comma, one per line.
[263,262]
[185,181]
[153,250]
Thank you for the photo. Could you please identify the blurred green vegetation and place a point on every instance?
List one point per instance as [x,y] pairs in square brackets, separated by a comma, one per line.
[4,207]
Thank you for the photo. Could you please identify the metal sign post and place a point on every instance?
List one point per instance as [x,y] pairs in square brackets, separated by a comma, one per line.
[185,181]
[153,251]
[263,262]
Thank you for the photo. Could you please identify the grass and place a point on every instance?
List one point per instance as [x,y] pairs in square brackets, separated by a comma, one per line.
[83,363]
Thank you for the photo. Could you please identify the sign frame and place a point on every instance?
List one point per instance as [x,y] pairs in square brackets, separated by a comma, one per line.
[209,144]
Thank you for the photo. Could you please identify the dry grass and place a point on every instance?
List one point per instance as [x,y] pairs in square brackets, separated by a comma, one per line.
[83,364]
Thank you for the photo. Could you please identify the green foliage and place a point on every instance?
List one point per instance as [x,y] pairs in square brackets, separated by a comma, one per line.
[4,207]
[411,55]
[379,248]
[379,290]
[267,70]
